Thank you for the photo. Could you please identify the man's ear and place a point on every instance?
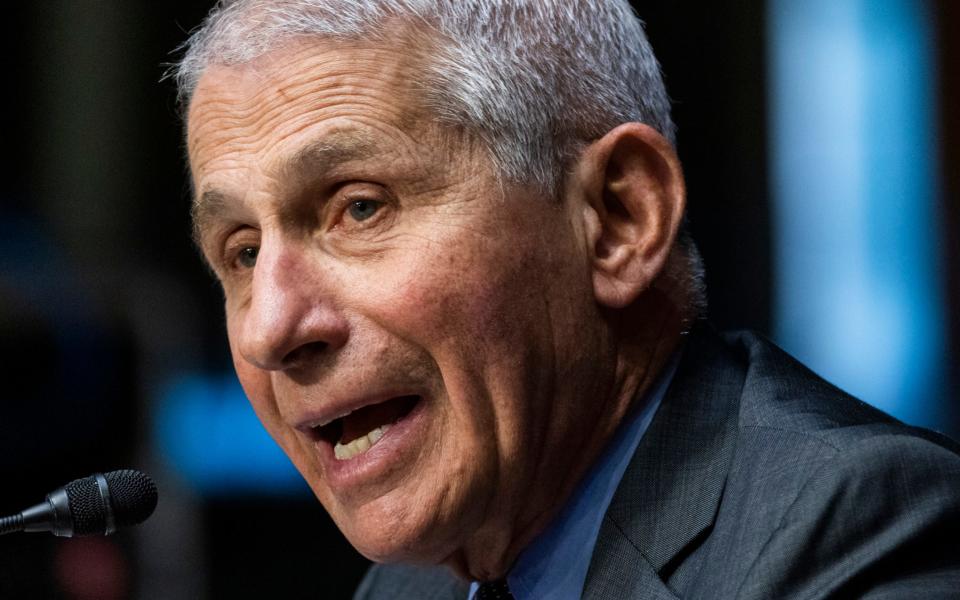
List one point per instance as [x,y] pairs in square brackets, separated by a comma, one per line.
[631,186]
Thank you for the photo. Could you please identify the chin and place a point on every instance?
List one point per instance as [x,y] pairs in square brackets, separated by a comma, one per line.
[387,533]
[410,547]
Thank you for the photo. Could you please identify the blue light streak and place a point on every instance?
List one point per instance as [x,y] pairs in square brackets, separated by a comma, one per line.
[854,171]
[207,431]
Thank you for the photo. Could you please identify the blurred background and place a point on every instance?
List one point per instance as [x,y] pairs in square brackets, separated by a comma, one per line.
[821,143]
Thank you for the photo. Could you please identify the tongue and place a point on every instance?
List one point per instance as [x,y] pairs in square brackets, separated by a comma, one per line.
[364,420]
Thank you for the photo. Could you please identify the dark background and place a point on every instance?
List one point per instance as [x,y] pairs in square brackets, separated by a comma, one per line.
[103,297]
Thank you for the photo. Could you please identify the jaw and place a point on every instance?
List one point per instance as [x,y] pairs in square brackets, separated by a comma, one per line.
[419,520]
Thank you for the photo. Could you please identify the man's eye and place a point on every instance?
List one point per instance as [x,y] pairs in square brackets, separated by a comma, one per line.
[247,257]
[361,210]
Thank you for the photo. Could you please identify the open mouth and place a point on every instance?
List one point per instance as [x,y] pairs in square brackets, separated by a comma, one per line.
[357,432]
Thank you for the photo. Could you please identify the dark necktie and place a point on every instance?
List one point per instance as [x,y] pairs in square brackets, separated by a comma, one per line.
[493,590]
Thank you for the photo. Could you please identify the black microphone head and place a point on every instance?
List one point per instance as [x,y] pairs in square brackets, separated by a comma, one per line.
[133,496]
[87,508]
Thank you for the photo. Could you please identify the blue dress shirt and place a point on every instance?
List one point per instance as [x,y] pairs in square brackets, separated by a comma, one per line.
[555,564]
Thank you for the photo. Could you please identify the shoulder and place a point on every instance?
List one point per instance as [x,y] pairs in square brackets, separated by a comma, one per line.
[827,495]
[782,396]
[880,513]
[788,413]
[780,392]
[405,581]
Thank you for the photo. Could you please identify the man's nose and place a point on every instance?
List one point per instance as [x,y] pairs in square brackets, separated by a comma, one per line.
[290,318]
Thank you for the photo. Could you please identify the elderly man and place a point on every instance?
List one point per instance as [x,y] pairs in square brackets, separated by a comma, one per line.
[459,297]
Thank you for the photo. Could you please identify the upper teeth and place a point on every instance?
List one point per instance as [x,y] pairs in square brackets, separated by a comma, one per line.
[360,445]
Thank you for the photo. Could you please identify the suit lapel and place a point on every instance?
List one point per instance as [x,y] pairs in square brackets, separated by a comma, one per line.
[671,490]
[619,570]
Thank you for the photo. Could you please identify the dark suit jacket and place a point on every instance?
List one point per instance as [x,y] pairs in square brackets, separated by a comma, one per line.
[757,479]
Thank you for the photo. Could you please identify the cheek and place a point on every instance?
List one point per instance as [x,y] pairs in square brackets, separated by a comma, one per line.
[466,298]
[483,321]
[259,391]
[257,386]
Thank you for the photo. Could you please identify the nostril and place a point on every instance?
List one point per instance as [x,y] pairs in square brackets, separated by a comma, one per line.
[304,353]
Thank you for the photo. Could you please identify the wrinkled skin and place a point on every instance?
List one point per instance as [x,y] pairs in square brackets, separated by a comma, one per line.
[388,260]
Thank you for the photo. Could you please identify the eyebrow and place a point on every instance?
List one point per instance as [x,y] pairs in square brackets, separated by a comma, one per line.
[208,206]
[326,153]
[315,157]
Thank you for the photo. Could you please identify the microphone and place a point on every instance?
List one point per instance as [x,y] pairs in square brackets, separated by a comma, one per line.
[94,505]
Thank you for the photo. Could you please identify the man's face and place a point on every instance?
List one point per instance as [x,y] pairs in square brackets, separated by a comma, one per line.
[417,337]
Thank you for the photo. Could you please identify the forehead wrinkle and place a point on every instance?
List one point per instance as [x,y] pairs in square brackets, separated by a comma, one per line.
[247,105]
[258,96]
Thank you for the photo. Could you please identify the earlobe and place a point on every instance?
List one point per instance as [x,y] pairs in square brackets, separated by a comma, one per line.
[635,195]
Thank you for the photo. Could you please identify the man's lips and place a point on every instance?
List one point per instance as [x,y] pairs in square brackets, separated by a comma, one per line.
[357,430]
[370,464]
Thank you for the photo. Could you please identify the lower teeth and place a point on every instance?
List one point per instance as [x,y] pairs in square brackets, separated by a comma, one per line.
[360,445]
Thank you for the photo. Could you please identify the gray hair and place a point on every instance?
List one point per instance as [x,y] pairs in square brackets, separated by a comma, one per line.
[533,80]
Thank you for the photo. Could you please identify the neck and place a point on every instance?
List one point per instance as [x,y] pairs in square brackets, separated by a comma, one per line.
[654,327]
